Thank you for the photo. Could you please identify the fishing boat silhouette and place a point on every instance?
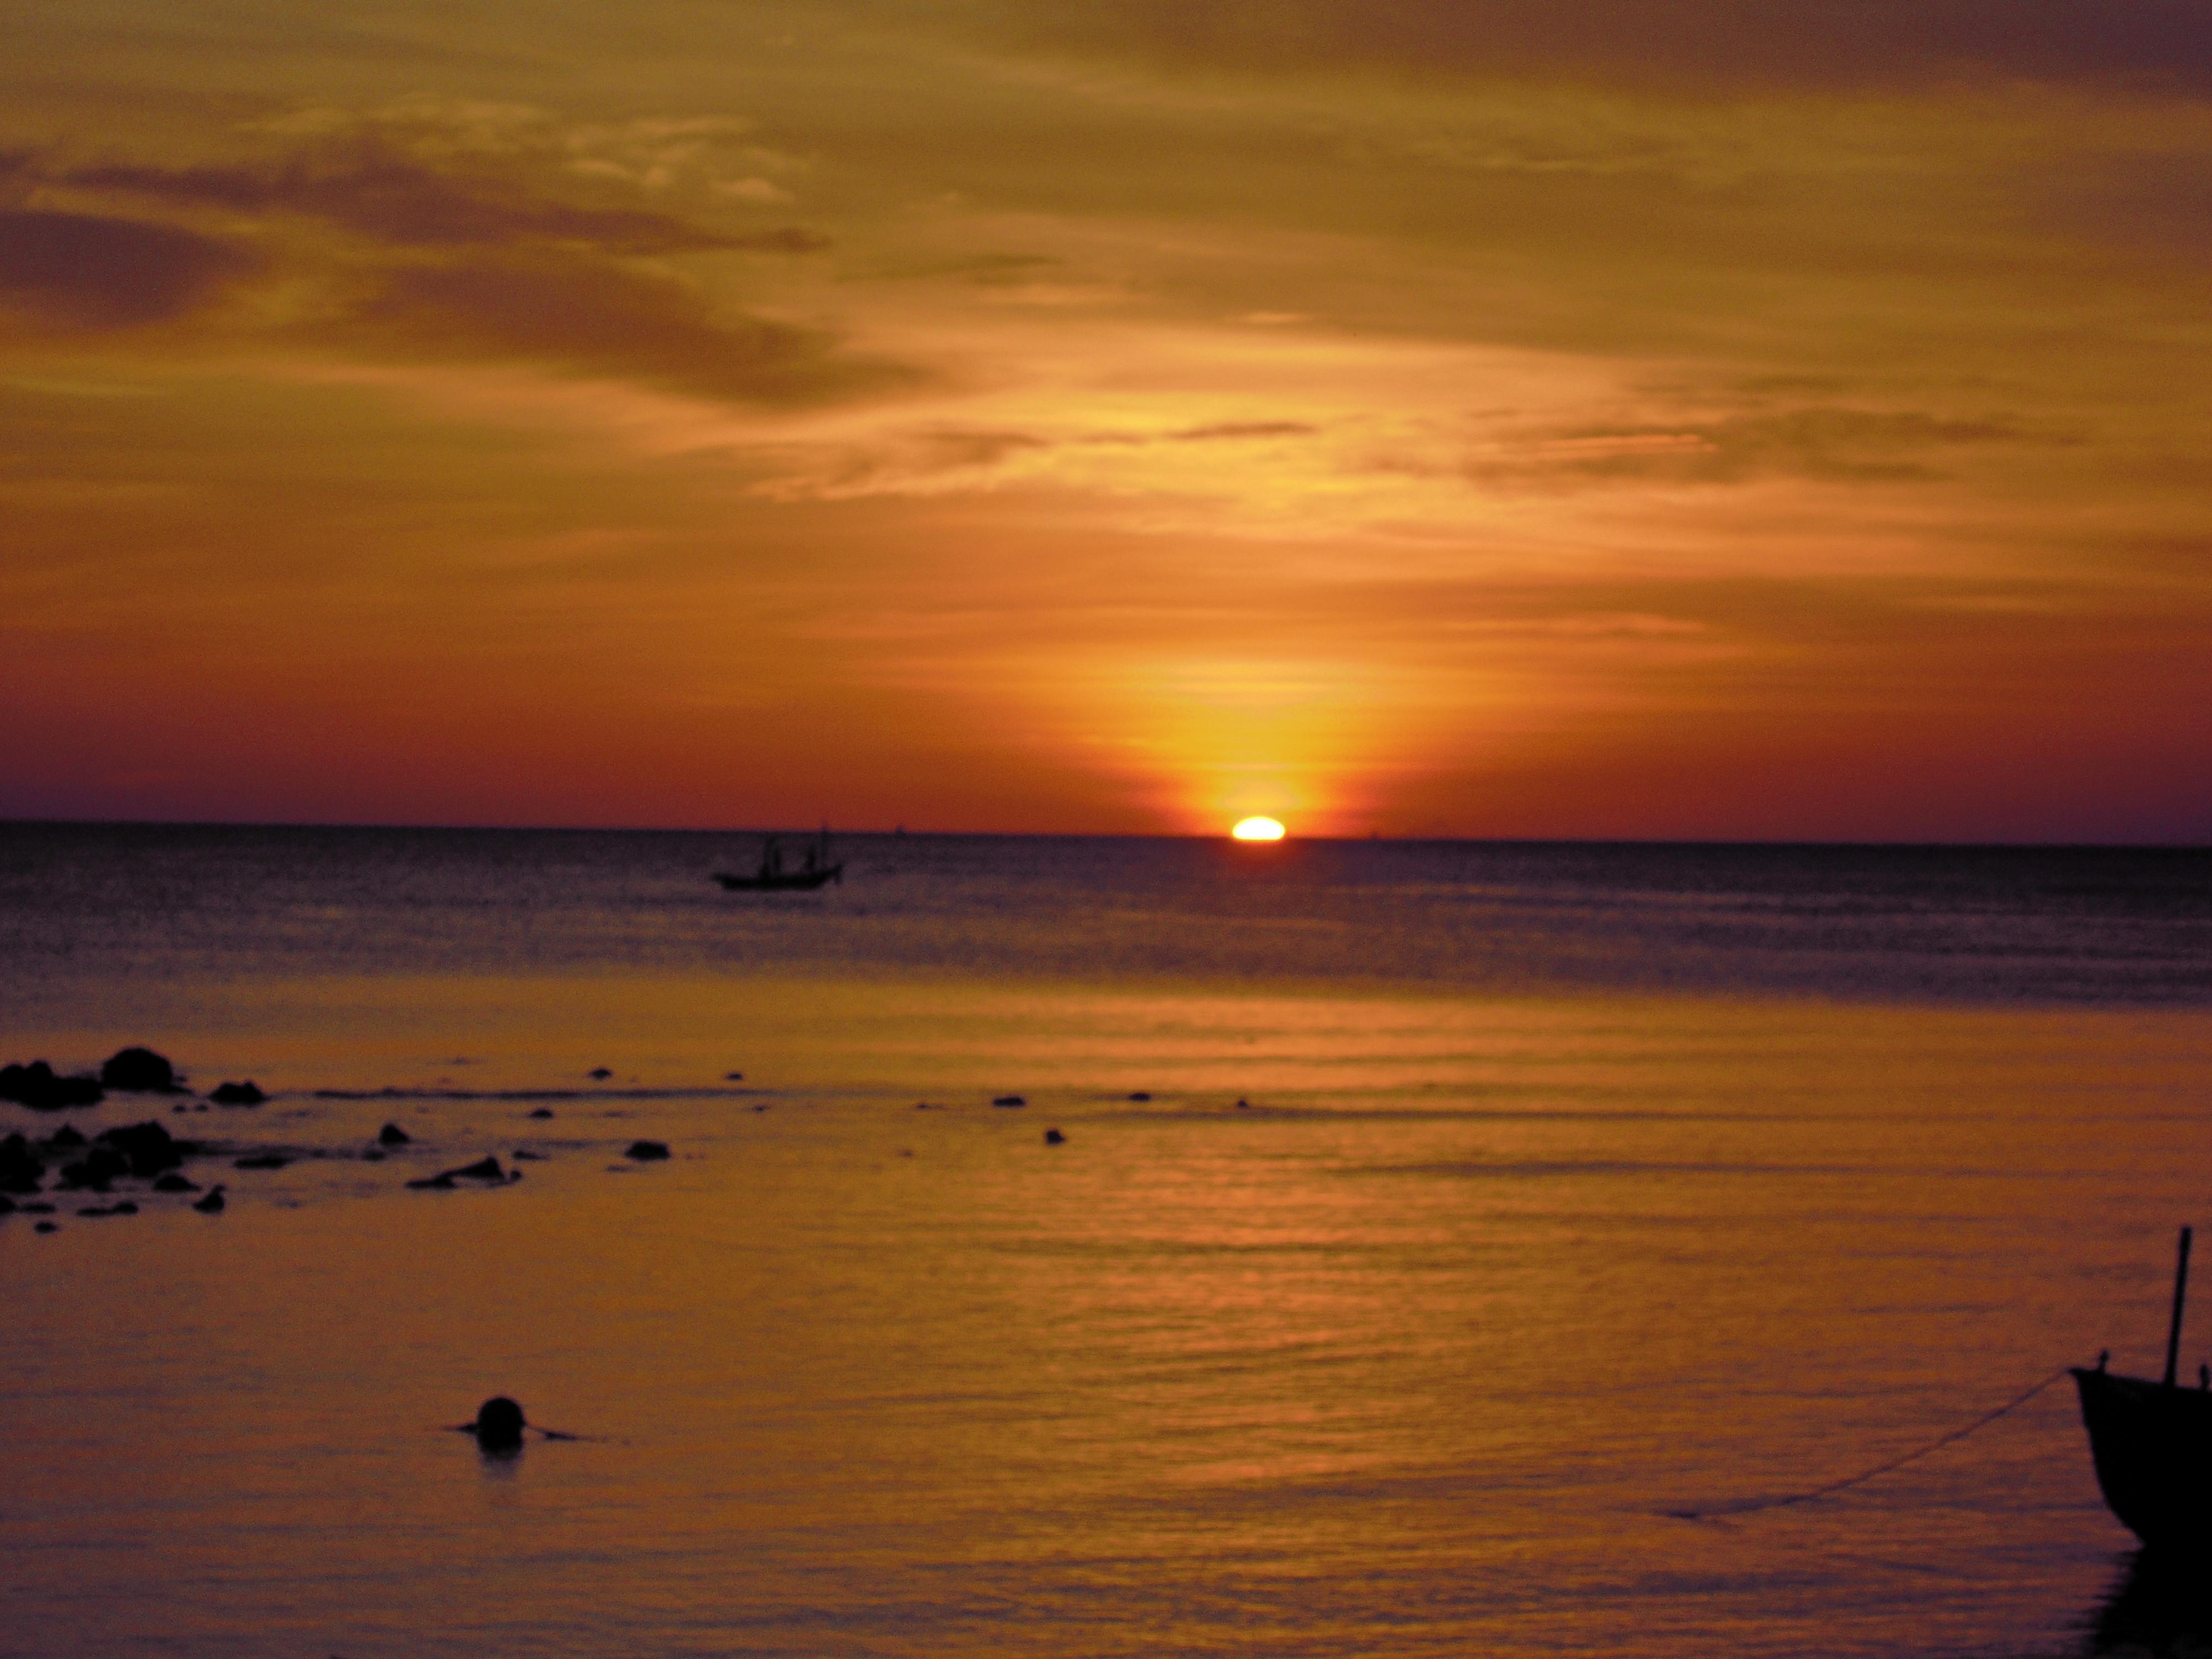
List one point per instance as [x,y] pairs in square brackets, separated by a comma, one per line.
[2152,1442]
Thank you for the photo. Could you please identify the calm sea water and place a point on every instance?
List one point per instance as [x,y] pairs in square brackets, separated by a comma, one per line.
[1572,1187]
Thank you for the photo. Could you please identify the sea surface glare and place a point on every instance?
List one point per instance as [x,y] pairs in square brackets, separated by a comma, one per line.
[1489,1203]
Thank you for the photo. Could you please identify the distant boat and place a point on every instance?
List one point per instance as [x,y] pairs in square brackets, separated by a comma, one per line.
[2152,1442]
[814,873]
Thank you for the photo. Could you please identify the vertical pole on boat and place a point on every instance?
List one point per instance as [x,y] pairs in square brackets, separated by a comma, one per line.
[2181,1290]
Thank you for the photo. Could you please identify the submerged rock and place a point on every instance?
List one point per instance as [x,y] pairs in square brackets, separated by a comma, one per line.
[260,1161]
[248,1093]
[598,1075]
[95,1170]
[543,1111]
[146,1147]
[21,1169]
[1010,1100]
[392,1135]
[1140,1095]
[646,1152]
[67,1135]
[175,1183]
[212,1204]
[7,1204]
[484,1169]
[733,1077]
[1054,1138]
[139,1071]
[37,1086]
[46,1227]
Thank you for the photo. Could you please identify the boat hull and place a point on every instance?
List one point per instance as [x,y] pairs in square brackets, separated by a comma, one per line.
[2152,1448]
[803,881]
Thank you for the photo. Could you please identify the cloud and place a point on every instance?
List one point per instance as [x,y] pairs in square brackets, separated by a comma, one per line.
[579,314]
[1805,42]
[84,270]
[1233,430]
[1831,443]
[371,187]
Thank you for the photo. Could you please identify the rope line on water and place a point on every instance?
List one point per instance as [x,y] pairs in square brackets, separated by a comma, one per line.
[1753,1506]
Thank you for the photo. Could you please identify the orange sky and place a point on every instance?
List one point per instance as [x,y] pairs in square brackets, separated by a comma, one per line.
[1638,419]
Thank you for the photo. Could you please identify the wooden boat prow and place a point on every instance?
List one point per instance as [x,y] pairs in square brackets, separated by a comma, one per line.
[2152,1443]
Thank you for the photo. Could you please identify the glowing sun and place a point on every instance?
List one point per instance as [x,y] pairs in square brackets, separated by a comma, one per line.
[1258,830]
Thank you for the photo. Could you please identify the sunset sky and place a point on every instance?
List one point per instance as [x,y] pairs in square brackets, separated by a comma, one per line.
[1696,418]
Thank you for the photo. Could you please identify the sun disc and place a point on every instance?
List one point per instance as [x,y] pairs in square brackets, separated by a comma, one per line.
[1258,830]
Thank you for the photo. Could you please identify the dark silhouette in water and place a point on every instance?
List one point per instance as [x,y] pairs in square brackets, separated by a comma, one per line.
[212,1204]
[2158,1605]
[140,1071]
[2152,1442]
[499,1427]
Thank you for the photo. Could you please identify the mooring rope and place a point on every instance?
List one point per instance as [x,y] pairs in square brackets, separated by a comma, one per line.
[1753,1506]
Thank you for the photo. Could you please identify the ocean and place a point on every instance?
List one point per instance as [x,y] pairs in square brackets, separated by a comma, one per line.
[1447,1249]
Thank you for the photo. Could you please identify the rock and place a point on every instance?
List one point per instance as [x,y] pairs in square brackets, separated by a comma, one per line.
[212,1204]
[1054,1138]
[524,1155]
[1140,1095]
[1244,1105]
[646,1152]
[36,1209]
[499,1425]
[247,1093]
[733,1077]
[36,1086]
[21,1169]
[46,1227]
[392,1135]
[66,1136]
[1010,1100]
[484,1169]
[372,1156]
[174,1183]
[139,1071]
[923,1106]
[600,1073]
[543,1111]
[146,1147]
[260,1161]
[93,1172]
[7,1204]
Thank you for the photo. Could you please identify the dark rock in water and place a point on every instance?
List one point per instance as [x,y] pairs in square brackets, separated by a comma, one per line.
[212,1204]
[46,1227]
[247,1093]
[36,1086]
[21,1169]
[66,1136]
[733,1077]
[923,1106]
[126,1208]
[36,1209]
[1054,1138]
[139,1071]
[524,1155]
[392,1135]
[484,1169]
[7,1204]
[1140,1095]
[1244,1105]
[174,1183]
[93,1172]
[543,1111]
[1010,1100]
[600,1073]
[260,1161]
[372,1156]
[646,1152]
[146,1147]
[499,1425]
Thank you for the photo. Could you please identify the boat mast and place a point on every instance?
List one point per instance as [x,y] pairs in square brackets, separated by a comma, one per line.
[2181,1290]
